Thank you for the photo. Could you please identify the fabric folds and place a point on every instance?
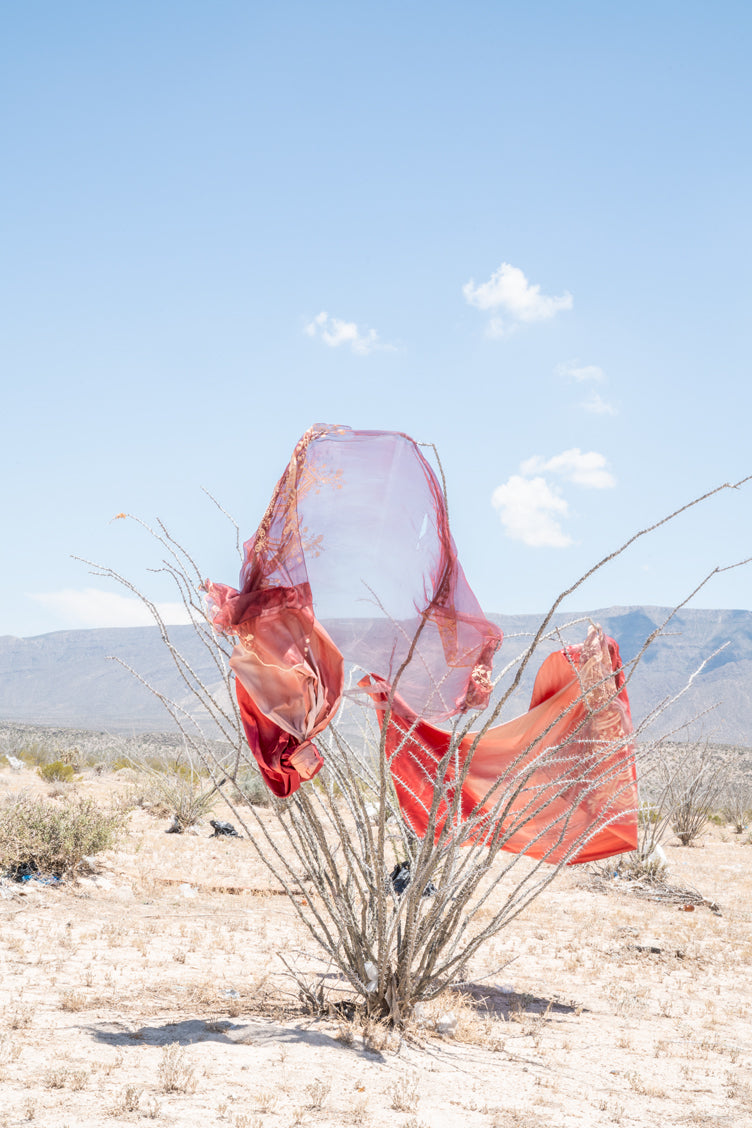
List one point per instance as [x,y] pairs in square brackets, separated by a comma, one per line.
[359,519]
[561,774]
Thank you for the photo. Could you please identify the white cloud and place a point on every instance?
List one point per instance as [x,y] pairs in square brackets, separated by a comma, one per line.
[529,510]
[91,607]
[584,468]
[335,332]
[580,372]
[508,292]
[598,406]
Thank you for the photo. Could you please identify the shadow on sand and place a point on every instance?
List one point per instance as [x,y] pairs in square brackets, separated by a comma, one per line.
[194,1030]
[488,999]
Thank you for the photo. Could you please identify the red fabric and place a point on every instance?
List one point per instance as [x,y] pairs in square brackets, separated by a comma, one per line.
[567,766]
[288,682]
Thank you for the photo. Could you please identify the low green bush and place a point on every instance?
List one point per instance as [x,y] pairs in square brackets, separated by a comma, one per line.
[57,771]
[51,838]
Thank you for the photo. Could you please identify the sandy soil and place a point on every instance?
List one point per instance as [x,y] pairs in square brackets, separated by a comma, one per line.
[152,990]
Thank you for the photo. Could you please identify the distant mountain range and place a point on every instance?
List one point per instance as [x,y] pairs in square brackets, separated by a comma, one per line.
[65,679]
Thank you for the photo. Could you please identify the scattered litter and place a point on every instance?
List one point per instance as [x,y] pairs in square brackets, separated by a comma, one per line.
[657,855]
[176,827]
[223,828]
[372,973]
[231,993]
[446,1023]
[14,762]
[651,947]
[372,811]
[26,873]
[505,988]
[401,877]
[187,890]
[652,888]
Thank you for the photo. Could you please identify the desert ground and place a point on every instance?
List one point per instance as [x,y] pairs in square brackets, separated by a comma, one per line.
[151,988]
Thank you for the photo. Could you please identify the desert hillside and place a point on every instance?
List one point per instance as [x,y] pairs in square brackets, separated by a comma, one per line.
[67,678]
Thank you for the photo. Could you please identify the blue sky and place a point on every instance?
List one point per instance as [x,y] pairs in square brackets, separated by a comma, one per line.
[521,232]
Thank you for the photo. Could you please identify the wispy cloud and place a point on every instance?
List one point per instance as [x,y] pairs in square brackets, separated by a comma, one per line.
[598,406]
[90,607]
[580,372]
[531,509]
[335,332]
[513,300]
[584,468]
[587,374]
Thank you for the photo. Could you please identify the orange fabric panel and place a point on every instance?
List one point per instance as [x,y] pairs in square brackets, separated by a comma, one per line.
[565,769]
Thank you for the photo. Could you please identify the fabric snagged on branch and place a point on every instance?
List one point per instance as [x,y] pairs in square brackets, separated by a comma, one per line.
[358,520]
[562,773]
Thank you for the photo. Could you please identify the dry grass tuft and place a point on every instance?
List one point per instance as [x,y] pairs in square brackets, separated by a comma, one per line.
[176,1074]
[404,1094]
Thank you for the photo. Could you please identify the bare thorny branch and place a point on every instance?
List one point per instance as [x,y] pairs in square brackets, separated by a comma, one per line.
[342,834]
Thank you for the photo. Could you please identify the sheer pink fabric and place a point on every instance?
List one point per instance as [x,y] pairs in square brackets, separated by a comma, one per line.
[359,518]
[565,769]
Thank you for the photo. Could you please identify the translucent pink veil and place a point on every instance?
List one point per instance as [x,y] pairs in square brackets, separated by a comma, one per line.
[357,523]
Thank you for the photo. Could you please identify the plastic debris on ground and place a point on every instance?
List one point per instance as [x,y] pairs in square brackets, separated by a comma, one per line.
[446,1023]
[372,973]
[401,877]
[221,829]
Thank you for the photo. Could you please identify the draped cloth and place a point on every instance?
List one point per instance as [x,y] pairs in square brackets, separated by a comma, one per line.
[359,519]
[560,780]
